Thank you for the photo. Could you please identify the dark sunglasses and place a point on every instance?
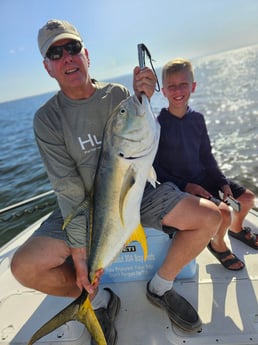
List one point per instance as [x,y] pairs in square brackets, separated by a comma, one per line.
[56,52]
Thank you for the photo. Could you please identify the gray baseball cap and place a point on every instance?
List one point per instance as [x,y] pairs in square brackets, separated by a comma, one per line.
[55,30]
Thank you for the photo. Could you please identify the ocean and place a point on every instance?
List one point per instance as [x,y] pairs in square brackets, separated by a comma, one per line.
[227,94]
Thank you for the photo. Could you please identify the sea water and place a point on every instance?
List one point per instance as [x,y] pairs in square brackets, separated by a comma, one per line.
[227,95]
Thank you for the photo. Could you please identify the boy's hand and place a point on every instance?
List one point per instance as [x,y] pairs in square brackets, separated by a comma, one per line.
[196,189]
[226,191]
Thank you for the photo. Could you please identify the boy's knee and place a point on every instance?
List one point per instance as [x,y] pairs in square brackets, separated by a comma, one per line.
[215,219]
[226,215]
[249,198]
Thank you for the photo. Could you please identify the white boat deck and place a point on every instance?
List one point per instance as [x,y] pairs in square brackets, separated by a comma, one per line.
[226,302]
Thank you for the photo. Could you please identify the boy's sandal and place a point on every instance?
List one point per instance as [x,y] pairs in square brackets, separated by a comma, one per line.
[226,263]
[241,236]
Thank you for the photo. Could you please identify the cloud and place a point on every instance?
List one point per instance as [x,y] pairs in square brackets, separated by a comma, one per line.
[13,51]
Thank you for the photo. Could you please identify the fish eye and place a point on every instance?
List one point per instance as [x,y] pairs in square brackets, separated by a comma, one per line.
[122,111]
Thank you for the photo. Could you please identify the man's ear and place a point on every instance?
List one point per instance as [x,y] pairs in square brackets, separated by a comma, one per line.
[87,56]
[47,67]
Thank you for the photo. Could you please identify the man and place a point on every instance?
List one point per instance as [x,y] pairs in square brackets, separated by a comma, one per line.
[68,131]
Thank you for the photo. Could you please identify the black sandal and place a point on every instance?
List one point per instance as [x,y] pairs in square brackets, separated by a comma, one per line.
[223,255]
[241,236]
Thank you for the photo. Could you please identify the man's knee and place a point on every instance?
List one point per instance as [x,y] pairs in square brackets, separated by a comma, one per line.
[23,267]
[16,266]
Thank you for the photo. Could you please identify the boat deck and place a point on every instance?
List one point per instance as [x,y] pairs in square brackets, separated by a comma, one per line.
[226,302]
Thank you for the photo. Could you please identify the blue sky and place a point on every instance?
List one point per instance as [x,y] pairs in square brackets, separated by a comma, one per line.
[112,29]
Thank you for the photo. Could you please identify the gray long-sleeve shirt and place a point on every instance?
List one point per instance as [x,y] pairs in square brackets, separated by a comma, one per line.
[69,134]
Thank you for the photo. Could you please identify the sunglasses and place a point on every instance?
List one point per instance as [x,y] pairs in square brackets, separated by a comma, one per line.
[56,52]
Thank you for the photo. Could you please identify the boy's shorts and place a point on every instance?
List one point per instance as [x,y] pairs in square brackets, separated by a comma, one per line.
[156,203]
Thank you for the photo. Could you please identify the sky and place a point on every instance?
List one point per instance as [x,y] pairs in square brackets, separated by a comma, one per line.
[111,30]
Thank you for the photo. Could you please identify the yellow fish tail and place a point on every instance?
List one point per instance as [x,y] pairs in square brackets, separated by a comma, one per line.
[87,316]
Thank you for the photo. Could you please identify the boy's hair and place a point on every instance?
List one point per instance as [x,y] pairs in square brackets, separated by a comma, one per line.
[176,65]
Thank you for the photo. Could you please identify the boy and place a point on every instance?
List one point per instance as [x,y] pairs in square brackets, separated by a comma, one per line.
[185,157]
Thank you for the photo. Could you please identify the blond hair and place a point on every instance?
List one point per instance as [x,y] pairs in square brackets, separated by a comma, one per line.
[176,65]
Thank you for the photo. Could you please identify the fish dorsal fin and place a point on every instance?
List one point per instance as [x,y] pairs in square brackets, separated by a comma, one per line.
[152,178]
[139,236]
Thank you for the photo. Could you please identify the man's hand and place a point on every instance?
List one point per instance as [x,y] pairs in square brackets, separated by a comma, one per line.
[144,81]
[79,256]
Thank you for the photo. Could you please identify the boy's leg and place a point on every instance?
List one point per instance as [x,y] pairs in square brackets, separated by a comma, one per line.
[247,202]
[237,229]
[240,193]
[197,220]
[218,245]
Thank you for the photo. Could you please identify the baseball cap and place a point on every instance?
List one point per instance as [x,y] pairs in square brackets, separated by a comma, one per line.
[55,30]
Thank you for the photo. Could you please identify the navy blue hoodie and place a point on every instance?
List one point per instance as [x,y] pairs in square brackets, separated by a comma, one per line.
[184,153]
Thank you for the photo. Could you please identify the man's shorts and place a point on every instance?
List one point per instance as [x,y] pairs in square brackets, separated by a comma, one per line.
[156,203]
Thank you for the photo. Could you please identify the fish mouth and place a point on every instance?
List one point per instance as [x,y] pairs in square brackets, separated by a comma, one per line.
[140,154]
[130,157]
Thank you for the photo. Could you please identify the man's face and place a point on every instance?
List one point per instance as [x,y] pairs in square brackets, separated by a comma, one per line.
[70,71]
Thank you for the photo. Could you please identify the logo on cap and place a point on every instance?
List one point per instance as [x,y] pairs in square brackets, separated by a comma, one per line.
[53,25]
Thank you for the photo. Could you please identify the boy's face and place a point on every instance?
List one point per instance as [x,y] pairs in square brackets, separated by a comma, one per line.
[177,88]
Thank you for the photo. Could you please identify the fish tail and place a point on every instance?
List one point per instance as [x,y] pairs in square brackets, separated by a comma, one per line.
[65,315]
[80,310]
[87,316]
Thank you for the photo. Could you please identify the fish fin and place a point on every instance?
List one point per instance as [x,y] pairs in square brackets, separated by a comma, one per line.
[65,315]
[82,209]
[152,178]
[80,310]
[139,236]
[87,316]
[128,182]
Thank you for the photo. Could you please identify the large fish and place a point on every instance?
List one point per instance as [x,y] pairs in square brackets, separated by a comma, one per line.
[129,146]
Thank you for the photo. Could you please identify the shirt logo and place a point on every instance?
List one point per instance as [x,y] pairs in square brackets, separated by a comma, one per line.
[91,141]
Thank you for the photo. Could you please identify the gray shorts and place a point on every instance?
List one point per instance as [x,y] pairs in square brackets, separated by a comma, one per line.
[156,203]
